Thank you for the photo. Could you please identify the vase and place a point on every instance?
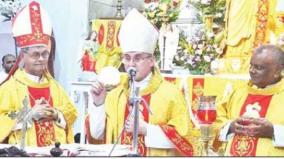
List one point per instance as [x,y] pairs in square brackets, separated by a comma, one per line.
[179,70]
[208,22]
[196,72]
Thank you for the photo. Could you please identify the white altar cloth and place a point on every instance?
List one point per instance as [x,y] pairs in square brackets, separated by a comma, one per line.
[77,150]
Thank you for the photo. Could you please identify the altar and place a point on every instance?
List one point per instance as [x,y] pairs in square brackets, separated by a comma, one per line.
[73,150]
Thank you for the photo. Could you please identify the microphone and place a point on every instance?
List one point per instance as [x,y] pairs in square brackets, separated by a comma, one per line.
[131,71]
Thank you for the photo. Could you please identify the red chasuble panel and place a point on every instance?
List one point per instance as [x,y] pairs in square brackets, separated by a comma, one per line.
[45,133]
[128,137]
[245,145]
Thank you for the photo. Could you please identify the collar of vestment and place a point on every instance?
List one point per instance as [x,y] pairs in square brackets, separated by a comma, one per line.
[29,80]
[34,78]
[153,84]
[143,84]
[269,90]
[152,81]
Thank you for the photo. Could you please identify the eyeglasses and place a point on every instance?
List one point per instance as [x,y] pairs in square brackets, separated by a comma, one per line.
[135,59]
[37,55]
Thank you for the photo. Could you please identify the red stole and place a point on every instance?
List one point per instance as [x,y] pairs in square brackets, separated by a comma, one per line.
[183,146]
[250,142]
[45,133]
[128,137]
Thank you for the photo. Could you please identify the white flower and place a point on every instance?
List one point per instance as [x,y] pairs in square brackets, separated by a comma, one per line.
[211,55]
[176,57]
[207,58]
[219,51]
[210,34]
[206,2]
[219,15]
[182,58]
[197,58]
[200,46]
[198,52]
[208,48]
[202,30]
[195,1]
[191,57]
[194,46]
[196,38]
[214,66]
[189,61]
[188,39]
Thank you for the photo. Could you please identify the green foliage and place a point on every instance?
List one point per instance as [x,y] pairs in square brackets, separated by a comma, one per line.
[164,11]
[215,8]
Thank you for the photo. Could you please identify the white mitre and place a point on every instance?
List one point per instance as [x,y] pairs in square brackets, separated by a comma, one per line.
[137,34]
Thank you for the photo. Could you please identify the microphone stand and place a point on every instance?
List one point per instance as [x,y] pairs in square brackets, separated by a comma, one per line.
[134,102]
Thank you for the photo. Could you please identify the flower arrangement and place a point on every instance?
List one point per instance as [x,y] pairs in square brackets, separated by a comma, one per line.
[9,8]
[163,11]
[209,7]
[215,8]
[197,52]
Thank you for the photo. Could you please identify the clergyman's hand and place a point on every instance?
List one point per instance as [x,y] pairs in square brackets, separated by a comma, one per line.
[239,126]
[98,92]
[129,126]
[260,127]
[44,112]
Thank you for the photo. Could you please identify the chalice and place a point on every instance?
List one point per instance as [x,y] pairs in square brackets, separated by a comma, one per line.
[206,114]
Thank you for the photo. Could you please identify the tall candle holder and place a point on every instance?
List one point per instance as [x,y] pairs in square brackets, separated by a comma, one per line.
[119,9]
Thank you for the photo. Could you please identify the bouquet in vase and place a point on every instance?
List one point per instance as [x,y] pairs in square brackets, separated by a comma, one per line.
[162,11]
[197,52]
[210,8]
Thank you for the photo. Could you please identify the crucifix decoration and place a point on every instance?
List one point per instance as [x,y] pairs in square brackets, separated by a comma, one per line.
[23,117]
